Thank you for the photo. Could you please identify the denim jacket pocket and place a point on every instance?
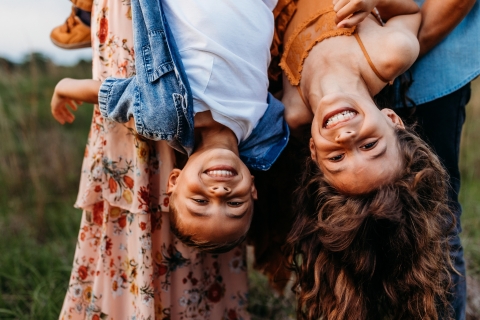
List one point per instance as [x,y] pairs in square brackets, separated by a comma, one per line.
[160,63]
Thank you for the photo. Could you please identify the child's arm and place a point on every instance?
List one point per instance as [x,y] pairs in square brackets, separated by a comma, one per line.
[72,92]
[352,12]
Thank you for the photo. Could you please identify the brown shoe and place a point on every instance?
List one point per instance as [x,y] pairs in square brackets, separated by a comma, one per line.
[73,34]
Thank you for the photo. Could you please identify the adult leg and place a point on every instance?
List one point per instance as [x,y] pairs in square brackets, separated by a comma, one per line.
[440,124]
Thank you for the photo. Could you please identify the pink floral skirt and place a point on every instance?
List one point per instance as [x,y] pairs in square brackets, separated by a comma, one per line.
[128,266]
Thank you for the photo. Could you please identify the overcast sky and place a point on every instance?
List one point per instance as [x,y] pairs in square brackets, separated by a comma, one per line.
[25,26]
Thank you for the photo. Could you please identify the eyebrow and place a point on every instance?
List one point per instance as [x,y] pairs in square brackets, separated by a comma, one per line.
[373,157]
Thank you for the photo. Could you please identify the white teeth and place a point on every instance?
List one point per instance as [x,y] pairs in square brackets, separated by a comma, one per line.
[339,117]
[220,173]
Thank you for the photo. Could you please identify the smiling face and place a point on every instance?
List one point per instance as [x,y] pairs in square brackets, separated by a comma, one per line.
[354,143]
[213,196]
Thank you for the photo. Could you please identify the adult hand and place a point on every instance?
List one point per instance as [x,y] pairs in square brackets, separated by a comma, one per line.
[352,12]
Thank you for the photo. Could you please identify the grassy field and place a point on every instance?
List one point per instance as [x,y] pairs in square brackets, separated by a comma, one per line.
[39,171]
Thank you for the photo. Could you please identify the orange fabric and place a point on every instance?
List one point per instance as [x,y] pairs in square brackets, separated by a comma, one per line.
[304,23]
[282,13]
[313,22]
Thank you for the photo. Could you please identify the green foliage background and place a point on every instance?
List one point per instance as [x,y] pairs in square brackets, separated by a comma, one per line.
[40,163]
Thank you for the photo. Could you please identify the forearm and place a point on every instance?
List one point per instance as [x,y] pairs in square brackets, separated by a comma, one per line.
[439,18]
[392,8]
[85,90]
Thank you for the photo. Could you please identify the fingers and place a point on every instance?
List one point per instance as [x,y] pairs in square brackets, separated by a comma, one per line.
[60,111]
[62,115]
[353,20]
[344,11]
[339,4]
[335,2]
[72,105]
[352,12]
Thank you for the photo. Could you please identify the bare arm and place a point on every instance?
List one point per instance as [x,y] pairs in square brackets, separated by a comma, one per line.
[392,8]
[439,18]
[352,12]
[72,92]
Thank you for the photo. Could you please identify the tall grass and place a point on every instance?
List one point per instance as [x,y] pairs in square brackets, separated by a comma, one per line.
[39,172]
[470,192]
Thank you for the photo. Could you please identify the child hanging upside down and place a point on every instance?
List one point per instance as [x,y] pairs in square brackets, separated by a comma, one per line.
[370,237]
[222,59]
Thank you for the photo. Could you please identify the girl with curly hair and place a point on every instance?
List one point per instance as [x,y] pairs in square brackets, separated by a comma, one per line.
[369,238]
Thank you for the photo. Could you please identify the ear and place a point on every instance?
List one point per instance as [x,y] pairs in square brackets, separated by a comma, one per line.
[313,150]
[172,181]
[396,120]
[253,189]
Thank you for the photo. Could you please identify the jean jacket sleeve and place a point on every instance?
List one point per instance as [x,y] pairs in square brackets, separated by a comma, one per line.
[158,96]
[116,98]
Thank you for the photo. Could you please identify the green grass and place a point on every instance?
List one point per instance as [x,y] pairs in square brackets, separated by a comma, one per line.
[470,192]
[39,171]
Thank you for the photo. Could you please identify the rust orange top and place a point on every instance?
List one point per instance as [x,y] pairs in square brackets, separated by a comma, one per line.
[282,13]
[312,22]
[303,24]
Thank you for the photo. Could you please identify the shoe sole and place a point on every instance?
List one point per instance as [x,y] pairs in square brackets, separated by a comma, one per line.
[86,44]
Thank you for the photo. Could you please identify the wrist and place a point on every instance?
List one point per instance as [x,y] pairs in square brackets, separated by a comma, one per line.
[61,89]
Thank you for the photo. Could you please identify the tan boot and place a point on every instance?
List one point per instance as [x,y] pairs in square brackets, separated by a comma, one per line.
[73,34]
[85,5]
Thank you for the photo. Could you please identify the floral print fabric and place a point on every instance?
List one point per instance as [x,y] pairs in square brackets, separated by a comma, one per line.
[127,265]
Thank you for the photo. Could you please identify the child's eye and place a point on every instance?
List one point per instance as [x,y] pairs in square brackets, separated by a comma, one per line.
[369,145]
[200,201]
[235,203]
[337,158]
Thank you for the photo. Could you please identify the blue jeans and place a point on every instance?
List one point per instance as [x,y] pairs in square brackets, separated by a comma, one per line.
[440,124]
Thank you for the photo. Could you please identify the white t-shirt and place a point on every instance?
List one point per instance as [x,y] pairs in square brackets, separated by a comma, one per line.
[225,49]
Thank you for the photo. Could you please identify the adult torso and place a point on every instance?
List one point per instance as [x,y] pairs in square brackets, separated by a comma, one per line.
[454,62]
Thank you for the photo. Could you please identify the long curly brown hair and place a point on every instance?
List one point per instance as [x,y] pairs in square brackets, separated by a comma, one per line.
[382,255]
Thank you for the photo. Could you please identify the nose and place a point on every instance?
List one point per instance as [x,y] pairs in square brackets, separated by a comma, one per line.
[345,136]
[220,190]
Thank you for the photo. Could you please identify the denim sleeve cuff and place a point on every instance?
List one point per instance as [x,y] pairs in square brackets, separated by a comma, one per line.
[104,94]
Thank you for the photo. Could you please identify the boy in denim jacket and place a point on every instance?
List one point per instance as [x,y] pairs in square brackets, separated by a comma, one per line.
[215,71]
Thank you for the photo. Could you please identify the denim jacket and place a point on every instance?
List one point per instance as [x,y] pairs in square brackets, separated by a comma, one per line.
[158,96]
[450,65]
[160,100]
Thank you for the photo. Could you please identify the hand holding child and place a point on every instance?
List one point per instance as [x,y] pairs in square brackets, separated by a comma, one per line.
[69,93]
[352,12]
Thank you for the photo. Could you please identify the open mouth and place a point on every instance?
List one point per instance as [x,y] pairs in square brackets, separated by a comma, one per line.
[221,172]
[340,115]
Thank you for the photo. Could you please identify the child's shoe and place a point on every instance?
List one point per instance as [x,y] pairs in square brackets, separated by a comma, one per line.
[73,34]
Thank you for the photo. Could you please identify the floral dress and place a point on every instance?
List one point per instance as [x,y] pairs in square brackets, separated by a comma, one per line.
[127,265]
